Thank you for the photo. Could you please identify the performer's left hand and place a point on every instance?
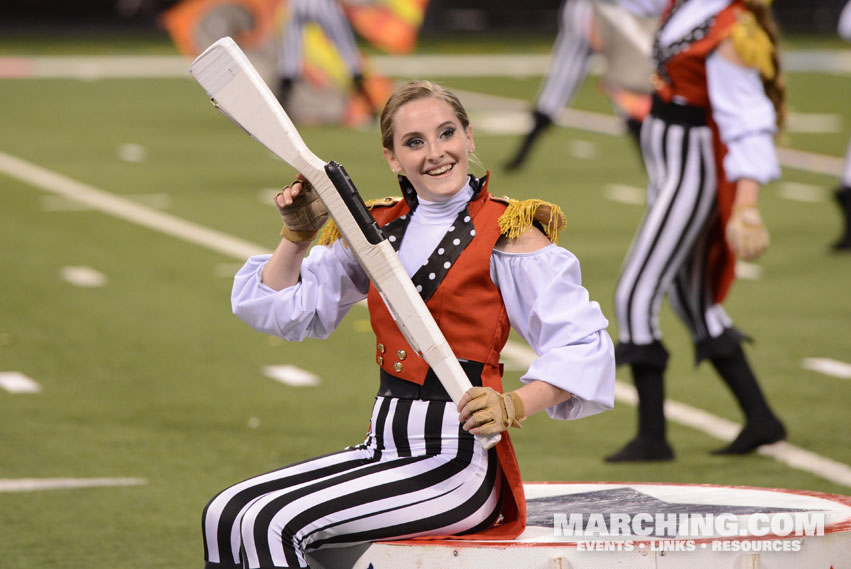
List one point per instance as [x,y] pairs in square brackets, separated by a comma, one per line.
[483,411]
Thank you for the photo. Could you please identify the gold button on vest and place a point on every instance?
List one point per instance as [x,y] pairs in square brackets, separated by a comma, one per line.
[401,354]
[381,348]
[381,360]
[397,366]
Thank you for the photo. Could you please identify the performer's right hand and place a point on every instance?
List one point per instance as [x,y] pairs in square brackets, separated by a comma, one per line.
[302,211]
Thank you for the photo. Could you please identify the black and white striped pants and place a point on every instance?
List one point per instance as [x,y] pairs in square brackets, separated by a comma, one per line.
[668,255]
[569,59]
[418,473]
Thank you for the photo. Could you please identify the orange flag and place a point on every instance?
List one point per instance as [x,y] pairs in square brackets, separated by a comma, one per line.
[195,24]
[390,25]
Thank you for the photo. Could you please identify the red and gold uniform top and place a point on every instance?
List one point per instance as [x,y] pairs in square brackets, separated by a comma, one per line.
[459,292]
[681,66]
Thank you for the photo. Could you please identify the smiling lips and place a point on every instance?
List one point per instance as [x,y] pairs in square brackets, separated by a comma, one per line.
[440,170]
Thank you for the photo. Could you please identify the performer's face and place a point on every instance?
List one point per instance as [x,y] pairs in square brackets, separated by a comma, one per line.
[430,147]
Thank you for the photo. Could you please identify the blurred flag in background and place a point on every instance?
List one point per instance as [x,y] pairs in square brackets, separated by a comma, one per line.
[389,25]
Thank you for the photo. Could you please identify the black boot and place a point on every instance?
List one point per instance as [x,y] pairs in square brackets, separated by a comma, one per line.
[843,197]
[650,443]
[633,126]
[762,427]
[542,122]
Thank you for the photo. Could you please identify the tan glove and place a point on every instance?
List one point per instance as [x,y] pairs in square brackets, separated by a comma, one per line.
[746,234]
[489,412]
[305,216]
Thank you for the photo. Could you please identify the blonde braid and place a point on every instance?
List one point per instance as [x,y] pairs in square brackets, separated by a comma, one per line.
[775,87]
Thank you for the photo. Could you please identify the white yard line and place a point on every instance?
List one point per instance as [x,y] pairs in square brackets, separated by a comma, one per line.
[227,245]
[520,355]
[83,277]
[93,67]
[814,122]
[126,209]
[748,271]
[417,65]
[810,162]
[132,152]
[817,61]
[471,65]
[625,194]
[612,125]
[291,375]
[720,428]
[795,457]
[828,366]
[102,67]
[16,382]
[796,191]
[36,484]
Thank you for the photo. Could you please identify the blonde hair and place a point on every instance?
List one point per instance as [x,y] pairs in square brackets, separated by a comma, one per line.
[414,91]
[775,87]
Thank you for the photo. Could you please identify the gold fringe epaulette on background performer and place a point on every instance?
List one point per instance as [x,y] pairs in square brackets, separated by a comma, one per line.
[331,232]
[520,215]
[753,45]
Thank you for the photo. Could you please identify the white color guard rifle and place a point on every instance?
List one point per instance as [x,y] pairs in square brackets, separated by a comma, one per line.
[236,89]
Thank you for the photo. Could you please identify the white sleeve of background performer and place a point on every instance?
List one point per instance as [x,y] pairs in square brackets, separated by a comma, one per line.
[746,120]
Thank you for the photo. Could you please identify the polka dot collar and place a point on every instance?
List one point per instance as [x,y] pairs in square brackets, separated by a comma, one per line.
[458,236]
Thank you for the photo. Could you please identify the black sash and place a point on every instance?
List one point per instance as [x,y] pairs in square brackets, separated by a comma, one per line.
[431,389]
[678,114]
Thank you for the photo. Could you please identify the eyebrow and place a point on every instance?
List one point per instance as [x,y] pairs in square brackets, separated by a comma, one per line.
[441,126]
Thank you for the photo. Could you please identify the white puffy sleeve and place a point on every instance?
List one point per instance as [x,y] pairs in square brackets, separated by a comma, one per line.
[746,120]
[550,309]
[331,282]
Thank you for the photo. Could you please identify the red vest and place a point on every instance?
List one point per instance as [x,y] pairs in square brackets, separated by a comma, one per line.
[685,72]
[468,308]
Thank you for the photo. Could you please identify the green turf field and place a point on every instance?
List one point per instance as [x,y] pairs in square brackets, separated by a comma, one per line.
[150,376]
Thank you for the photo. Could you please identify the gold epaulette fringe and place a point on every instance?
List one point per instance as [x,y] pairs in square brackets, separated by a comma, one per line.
[519,215]
[753,45]
[330,232]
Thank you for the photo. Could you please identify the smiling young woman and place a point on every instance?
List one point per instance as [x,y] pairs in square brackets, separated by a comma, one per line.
[482,265]
[430,146]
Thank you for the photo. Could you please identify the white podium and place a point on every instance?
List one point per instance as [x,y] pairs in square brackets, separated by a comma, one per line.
[584,525]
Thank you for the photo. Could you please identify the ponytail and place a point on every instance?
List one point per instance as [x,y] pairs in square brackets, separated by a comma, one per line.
[775,86]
